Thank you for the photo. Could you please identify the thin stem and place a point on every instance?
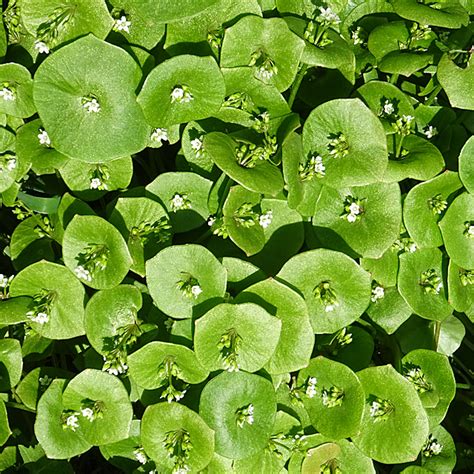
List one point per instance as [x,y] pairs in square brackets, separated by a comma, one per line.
[393,78]
[437,333]
[464,386]
[399,147]
[433,95]
[296,84]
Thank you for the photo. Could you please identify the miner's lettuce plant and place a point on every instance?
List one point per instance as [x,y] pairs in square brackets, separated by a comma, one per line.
[236,236]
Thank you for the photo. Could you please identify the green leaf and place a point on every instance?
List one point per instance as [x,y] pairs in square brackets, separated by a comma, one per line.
[17,79]
[108,392]
[5,431]
[457,228]
[72,77]
[163,419]
[11,363]
[336,407]
[362,158]
[350,285]
[466,165]
[221,404]
[83,238]
[446,459]
[236,336]
[240,274]
[456,81]
[420,282]
[317,457]
[451,335]
[57,442]
[460,288]
[145,362]
[272,45]
[398,435]
[264,178]
[296,342]
[424,205]
[182,264]
[13,310]
[200,82]
[432,376]
[66,309]
[172,10]
[192,189]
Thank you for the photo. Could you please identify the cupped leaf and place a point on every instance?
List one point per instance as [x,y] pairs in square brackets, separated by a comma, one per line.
[449,14]
[466,165]
[169,11]
[184,195]
[11,168]
[185,279]
[145,225]
[372,225]
[461,288]
[421,283]
[85,94]
[457,228]
[336,290]
[296,342]
[145,363]
[182,89]
[334,398]
[110,314]
[350,140]
[241,409]
[58,442]
[394,425]
[13,310]
[95,251]
[5,431]
[236,336]
[240,274]
[267,46]
[439,452]
[176,437]
[424,205]
[108,399]
[17,91]
[432,376]
[57,308]
[11,363]
[263,178]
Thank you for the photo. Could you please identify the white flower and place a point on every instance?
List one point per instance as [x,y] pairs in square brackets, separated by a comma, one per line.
[329,308]
[196,144]
[196,290]
[354,208]
[265,219]
[181,470]
[88,413]
[438,287]
[41,47]
[408,119]
[3,281]
[351,217]
[249,418]
[40,318]
[264,74]
[319,167]
[311,387]
[328,15]
[11,164]
[159,135]
[179,94]
[430,132]
[356,36]
[72,422]
[374,408]
[91,105]
[436,448]
[7,94]
[177,202]
[43,137]
[122,24]
[211,221]
[470,230]
[412,247]
[83,273]
[388,108]
[377,293]
[95,183]
[140,456]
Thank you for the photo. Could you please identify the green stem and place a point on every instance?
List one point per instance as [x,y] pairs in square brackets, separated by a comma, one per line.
[399,147]
[393,78]
[464,386]
[433,95]
[437,333]
[296,85]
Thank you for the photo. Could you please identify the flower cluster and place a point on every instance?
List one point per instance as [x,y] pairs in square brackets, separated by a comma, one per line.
[405,125]
[159,135]
[326,295]
[90,104]
[378,292]
[179,202]
[432,447]
[244,415]
[469,229]
[98,178]
[41,307]
[189,286]
[167,371]
[415,375]
[90,410]
[431,282]
[48,33]
[122,24]
[181,94]
[466,277]
[353,209]
[313,167]
[140,455]
[265,67]
[158,231]
[380,409]
[437,204]
[215,37]
[8,162]
[43,138]
[311,387]
[197,146]
[338,145]
[94,258]
[405,244]
[229,346]
[239,100]
[4,285]
[7,92]
[178,446]
[332,397]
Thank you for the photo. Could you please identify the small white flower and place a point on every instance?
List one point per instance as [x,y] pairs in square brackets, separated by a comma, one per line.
[196,290]
[430,132]
[374,408]
[470,230]
[388,108]
[72,422]
[83,273]
[408,119]
[41,47]
[3,281]
[159,135]
[45,380]
[43,137]
[122,24]
[412,247]
[311,387]
[328,15]
[7,94]
[91,105]
[40,318]
[354,208]
[377,293]
[351,217]
[11,164]
[196,144]
[438,287]
[88,413]
[181,470]
[211,221]
[179,94]
[140,456]
[319,167]
[95,183]
[356,38]
[177,202]
[265,219]
[436,448]
[264,74]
